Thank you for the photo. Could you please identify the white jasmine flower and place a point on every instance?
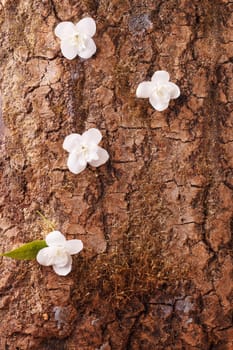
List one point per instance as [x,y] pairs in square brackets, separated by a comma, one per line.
[159,90]
[76,39]
[84,149]
[58,253]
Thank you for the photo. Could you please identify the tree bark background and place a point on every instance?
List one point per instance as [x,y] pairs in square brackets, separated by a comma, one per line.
[156,220]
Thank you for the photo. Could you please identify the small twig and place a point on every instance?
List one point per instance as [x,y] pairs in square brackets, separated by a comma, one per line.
[48,222]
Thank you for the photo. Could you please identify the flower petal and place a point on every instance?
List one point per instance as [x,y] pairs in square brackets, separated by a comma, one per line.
[92,135]
[71,141]
[144,89]
[45,256]
[174,90]
[86,26]
[61,257]
[160,77]
[93,153]
[103,157]
[68,49]
[89,50]
[64,30]
[55,238]
[158,103]
[74,246]
[74,165]
[63,270]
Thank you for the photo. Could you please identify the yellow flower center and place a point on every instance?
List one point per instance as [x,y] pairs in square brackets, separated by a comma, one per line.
[78,40]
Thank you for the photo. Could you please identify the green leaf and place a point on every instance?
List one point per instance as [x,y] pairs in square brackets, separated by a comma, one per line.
[27,251]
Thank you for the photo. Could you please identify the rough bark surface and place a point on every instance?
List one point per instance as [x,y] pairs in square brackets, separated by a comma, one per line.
[156,220]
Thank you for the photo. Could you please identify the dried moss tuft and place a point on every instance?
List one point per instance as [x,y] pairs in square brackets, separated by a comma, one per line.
[135,268]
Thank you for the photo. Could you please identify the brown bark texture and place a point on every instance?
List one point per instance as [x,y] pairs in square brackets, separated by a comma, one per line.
[156,220]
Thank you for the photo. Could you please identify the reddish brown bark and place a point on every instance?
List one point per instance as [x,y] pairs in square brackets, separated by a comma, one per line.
[156,221]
